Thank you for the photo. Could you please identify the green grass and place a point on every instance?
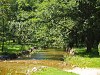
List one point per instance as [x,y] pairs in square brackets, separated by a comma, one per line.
[15,48]
[10,46]
[52,71]
[82,59]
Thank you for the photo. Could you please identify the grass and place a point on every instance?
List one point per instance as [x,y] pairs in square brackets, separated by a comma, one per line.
[52,71]
[20,67]
[15,48]
[82,59]
[11,46]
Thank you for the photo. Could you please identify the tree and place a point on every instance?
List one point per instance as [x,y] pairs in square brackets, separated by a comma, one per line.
[87,27]
[4,19]
[25,27]
[54,14]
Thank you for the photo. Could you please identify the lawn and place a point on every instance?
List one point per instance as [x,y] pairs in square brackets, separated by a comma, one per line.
[52,71]
[15,48]
[82,59]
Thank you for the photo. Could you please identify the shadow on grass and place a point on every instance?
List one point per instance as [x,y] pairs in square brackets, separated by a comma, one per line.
[83,53]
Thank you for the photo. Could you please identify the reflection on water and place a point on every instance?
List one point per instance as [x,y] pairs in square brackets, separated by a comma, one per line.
[41,56]
[49,54]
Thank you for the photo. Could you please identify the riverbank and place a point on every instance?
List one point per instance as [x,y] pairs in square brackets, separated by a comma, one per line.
[84,63]
[21,67]
[43,67]
[18,51]
[78,64]
[83,60]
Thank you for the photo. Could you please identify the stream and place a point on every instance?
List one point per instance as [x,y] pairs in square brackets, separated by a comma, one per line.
[48,54]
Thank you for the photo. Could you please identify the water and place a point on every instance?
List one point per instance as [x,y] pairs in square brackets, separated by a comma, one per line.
[49,54]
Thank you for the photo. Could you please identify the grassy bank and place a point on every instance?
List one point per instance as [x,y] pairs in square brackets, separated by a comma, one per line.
[78,61]
[82,59]
[22,67]
[52,71]
[15,48]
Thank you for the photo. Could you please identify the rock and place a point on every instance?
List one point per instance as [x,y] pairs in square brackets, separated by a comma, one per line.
[25,52]
[13,56]
[34,69]
[4,57]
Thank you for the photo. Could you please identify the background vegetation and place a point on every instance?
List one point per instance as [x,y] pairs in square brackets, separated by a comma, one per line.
[50,23]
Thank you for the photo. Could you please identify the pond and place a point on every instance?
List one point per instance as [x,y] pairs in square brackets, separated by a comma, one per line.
[48,54]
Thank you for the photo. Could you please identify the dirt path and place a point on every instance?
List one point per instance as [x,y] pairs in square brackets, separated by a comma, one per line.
[85,71]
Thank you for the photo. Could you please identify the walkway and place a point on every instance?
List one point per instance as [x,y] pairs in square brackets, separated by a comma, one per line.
[85,71]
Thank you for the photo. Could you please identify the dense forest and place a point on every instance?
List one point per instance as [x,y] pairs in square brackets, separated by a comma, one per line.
[50,23]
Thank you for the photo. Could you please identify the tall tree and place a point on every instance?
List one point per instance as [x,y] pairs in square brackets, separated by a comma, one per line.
[87,27]
[4,19]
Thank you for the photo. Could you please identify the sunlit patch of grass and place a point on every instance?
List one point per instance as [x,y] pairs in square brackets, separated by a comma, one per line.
[82,59]
[15,48]
[52,71]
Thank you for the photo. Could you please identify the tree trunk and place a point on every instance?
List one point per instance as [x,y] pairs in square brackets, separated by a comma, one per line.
[89,40]
[2,45]
[14,40]
[89,48]
[89,44]
[3,35]
[69,47]
[96,47]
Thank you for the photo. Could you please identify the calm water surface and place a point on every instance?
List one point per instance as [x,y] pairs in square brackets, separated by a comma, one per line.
[48,54]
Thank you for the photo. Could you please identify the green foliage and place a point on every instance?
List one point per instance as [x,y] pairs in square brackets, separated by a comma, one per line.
[50,23]
[86,29]
[53,14]
[43,23]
